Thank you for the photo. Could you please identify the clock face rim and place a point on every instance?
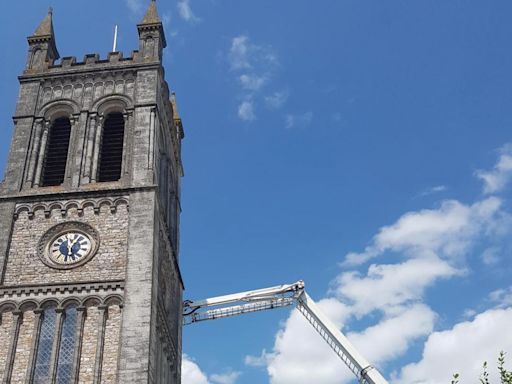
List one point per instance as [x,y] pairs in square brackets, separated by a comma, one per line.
[51,235]
[53,242]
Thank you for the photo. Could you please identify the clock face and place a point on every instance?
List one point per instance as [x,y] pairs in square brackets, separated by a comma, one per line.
[70,248]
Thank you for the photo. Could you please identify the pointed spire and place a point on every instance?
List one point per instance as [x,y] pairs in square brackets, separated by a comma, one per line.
[151,16]
[46,26]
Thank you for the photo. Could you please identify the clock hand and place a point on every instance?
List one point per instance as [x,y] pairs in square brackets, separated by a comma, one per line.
[70,245]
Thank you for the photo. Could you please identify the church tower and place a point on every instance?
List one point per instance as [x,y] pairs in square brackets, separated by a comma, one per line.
[90,285]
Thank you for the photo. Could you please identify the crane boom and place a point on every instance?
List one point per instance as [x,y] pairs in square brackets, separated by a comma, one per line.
[278,297]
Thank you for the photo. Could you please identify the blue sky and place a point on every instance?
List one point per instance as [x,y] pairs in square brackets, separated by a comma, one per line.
[363,146]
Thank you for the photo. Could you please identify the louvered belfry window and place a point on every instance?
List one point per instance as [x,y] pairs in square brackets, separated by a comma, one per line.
[54,167]
[111,153]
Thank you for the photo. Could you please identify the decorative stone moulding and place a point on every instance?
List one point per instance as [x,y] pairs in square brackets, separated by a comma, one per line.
[46,241]
[35,304]
[63,291]
[113,203]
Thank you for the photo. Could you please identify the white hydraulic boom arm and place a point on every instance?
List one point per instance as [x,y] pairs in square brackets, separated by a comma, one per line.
[282,296]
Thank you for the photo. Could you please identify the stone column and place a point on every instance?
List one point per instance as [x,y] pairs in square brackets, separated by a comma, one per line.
[34,150]
[152,124]
[17,319]
[89,147]
[72,150]
[42,151]
[127,122]
[102,321]
[35,343]
[56,344]
[96,151]
[81,311]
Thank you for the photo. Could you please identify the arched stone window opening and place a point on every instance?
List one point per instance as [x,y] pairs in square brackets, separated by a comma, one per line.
[54,166]
[67,346]
[111,152]
[42,374]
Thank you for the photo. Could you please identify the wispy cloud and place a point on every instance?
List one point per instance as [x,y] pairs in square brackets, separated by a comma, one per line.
[246,111]
[186,13]
[230,377]
[252,82]
[497,178]
[254,66]
[298,120]
[135,6]
[433,190]
[276,100]
[502,297]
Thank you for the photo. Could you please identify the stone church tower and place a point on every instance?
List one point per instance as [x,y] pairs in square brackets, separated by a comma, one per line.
[90,287]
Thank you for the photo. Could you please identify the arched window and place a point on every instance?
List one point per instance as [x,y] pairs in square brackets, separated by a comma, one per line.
[67,346]
[45,345]
[111,152]
[54,167]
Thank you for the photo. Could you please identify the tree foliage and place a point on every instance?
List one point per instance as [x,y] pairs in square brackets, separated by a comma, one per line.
[505,376]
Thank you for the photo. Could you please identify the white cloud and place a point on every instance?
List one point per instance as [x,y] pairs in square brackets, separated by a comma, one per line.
[447,231]
[389,287]
[389,300]
[166,19]
[246,111]
[185,11]
[238,56]
[298,120]
[252,82]
[432,190]
[502,297]
[276,100]
[392,337]
[254,67]
[462,349]
[300,356]
[191,373]
[491,256]
[496,179]
[225,378]
[135,6]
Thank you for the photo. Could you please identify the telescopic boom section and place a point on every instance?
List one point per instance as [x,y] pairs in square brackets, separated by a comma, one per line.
[282,296]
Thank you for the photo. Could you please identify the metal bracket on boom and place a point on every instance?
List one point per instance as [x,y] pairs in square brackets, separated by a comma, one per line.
[282,296]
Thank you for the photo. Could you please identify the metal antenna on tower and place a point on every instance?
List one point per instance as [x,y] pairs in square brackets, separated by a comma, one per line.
[115,40]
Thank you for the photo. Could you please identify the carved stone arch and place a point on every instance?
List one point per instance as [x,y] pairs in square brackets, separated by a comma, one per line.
[88,203]
[28,305]
[56,205]
[107,202]
[113,300]
[91,301]
[23,208]
[121,201]
[59,108]
[72,204]
[39,207]
[49,303]
[112,103]
[8,306]
[70,301]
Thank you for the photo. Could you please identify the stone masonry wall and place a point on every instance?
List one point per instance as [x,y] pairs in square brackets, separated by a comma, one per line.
[111,349]
[23,349]
[24,265]
[89,344]
[5,337]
